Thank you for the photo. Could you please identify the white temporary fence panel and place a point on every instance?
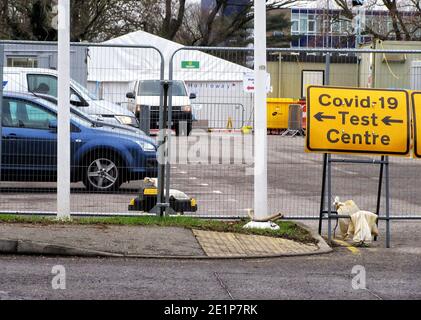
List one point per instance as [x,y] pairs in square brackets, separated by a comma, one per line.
[416,75]
[228,100]
[311,77]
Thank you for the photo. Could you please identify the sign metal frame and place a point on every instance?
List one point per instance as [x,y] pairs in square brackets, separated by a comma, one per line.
[326,210]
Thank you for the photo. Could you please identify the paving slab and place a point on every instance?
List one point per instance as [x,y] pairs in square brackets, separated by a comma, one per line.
[125,240]
[217,244]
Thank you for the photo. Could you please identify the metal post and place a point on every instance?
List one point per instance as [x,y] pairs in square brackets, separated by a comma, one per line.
[168,210]
[323,197]
[1,102]
[63,136]
[260,138]
[326,161]
[145,119]
[329,197]
[379,190]
[158,209]
[358,27]
[327,69]
[387,203]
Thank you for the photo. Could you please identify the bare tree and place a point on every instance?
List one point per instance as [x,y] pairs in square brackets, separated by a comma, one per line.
[27,20]
[212,27]
[405,18]
[100,20]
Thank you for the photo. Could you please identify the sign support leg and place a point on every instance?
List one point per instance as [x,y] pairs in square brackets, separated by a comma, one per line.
[329,198]
[387,202]
[323,196]
[379,192]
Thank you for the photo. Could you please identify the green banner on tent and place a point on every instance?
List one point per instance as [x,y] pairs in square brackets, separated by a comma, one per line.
[190,64]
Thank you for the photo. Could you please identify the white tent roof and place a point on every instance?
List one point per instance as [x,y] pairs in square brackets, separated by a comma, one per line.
[129,64]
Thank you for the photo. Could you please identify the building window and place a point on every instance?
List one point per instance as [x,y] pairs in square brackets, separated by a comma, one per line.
[295,18]
[294,27]
[336,27]
[22,62]
[311,23]
[303,24]
[346,26]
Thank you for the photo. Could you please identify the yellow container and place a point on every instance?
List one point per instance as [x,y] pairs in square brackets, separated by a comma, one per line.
[277,112]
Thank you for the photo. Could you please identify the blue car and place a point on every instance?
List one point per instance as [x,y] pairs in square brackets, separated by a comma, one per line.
[103,157]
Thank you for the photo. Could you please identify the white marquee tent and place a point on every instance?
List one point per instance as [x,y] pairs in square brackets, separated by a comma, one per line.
[218,83]
[122,64]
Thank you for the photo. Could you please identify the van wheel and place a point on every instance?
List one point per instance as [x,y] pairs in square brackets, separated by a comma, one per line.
[103,174]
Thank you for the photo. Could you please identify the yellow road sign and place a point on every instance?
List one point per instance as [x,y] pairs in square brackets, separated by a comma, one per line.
[356,120]
[416,109]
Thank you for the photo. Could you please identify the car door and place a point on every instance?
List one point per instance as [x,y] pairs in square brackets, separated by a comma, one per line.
[29,144]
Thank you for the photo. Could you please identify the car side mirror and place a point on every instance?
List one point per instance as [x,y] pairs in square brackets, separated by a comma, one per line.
[193,96]
[52,125]
[130,95]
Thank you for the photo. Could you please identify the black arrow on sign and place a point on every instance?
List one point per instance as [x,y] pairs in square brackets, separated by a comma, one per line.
[319,116]
[388,121]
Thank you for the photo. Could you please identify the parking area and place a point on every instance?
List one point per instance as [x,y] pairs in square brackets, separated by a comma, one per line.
[217,170]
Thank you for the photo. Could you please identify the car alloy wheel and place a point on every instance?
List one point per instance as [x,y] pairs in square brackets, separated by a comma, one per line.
[102,174]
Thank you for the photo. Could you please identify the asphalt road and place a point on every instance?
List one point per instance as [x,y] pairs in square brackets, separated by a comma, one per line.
[390,274]
[217,171]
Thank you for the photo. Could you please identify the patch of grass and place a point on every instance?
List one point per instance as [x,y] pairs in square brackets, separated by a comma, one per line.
[288,229]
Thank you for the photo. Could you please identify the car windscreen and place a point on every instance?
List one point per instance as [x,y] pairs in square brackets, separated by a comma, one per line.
[152,88]
[47,84]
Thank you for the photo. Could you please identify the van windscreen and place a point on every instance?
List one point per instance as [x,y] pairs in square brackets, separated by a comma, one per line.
[152,88]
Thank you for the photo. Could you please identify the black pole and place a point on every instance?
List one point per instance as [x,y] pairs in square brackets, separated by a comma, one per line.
[161,191]
[329,198]
[387,208]
[162,153]
[379,191]
[323,197]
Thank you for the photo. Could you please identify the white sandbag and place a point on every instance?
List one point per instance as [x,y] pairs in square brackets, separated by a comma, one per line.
[365,226]
[346,208]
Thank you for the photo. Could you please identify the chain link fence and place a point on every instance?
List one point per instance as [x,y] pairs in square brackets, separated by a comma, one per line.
[110,155]
[215,166]
[212,119]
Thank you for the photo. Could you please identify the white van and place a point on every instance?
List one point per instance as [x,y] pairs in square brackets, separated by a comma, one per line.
[147,93]
[44,82]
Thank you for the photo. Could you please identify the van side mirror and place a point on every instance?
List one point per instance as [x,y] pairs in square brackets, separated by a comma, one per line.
[76,101]
[193,96]
[130,95]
